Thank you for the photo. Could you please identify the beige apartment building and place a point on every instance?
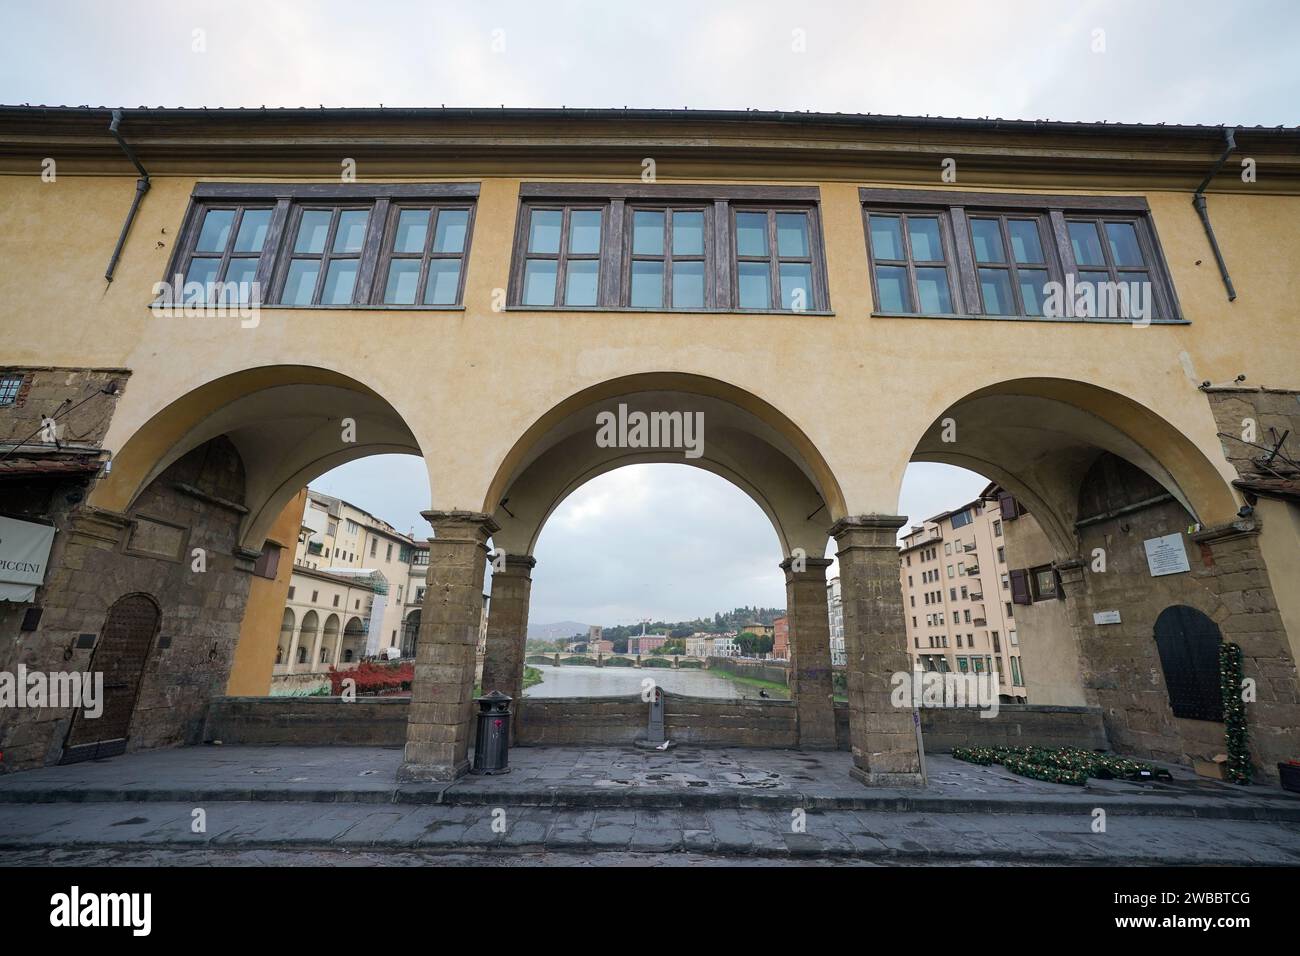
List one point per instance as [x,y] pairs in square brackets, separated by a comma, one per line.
[957,595]
[355,581]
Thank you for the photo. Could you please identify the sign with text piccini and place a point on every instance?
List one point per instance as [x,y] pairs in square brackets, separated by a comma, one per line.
[1166,555]
[24,554]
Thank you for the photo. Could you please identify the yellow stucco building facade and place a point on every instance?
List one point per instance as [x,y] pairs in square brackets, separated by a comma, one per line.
[834,296]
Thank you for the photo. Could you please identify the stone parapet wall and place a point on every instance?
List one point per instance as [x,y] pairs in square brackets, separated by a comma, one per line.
[618,721]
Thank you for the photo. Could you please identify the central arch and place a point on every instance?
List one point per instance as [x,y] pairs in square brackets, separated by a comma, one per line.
[745,440]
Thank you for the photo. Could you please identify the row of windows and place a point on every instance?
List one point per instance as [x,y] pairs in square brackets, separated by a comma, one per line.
[663,248]
[939,662]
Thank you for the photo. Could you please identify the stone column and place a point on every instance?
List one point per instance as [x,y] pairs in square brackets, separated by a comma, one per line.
[811,688]
[292,659]
[881,736]
[313,658]
[507,629]
[440,725]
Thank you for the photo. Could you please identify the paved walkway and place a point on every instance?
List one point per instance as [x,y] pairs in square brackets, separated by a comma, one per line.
[620,777]
[326,804]
[856,834]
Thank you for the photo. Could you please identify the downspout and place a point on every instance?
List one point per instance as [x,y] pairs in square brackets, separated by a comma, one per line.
[141,187]
[1198,200]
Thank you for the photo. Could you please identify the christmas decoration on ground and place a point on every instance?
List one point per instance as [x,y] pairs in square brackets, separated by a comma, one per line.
[1238,768]
[1068,765]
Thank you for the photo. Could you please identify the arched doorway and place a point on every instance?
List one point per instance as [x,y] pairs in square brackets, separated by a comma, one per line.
[354,641]
[330,645]
[120,655]
[1189,642]
[410,633]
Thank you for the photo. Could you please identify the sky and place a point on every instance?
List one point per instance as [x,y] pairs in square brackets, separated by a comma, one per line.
[615,551]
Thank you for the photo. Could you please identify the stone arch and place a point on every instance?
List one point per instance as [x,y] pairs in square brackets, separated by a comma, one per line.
[354,641]
[1038,437]
[287,424]
[306,638]
[330,645]
[746,441]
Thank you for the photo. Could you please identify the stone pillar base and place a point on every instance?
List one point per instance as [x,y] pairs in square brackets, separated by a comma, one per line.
[875,778]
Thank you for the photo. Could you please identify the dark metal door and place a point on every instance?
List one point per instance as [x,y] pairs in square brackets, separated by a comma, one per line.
[1188,643]
[121,653]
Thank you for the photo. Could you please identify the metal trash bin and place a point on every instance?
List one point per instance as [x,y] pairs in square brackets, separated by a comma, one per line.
[492,744]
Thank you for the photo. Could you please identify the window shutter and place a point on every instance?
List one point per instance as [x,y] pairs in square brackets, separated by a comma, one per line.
[268,563]
[1020,587]
[1009,506]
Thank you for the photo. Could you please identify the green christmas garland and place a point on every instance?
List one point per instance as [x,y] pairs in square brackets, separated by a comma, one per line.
[1235,735]
[1067,765]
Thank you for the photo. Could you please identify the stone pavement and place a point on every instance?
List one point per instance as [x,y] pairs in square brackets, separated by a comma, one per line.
[833,834]
[621,777]
[619,805]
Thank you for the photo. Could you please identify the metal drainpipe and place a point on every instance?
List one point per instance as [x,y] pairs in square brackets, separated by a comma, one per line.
[1198,200]
[141,187]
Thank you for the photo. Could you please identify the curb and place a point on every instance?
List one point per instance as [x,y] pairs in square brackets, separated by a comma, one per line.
[585,799]
[675,845]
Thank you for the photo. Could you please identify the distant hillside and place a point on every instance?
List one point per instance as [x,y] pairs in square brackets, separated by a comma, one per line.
[560,630]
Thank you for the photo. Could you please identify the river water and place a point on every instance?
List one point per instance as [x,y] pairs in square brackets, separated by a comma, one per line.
[578,681]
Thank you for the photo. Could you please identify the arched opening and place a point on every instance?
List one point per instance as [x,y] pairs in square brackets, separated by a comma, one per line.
[1097,516]
[410,632]
[308,635]
[121,653]
[656,570]
[666,417]
[245,446]
[289,424]
[653,420]
[354,640]
[329,647]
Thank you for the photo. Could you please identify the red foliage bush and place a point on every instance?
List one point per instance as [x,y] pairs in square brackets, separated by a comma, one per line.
[374,678]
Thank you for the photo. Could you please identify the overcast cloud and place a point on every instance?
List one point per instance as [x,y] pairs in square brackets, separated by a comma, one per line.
[664,541]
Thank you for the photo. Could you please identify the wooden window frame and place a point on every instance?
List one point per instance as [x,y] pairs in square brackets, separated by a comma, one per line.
[814,260]
[326,257]
[561,257]
[620,199]
[287,200]
[426,256]
[908,264]
[668,258]
[1042,223]
[1153,261]
[184,258]
[1053,212]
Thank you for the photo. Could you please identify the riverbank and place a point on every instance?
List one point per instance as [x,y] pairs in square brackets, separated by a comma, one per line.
[775,690]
